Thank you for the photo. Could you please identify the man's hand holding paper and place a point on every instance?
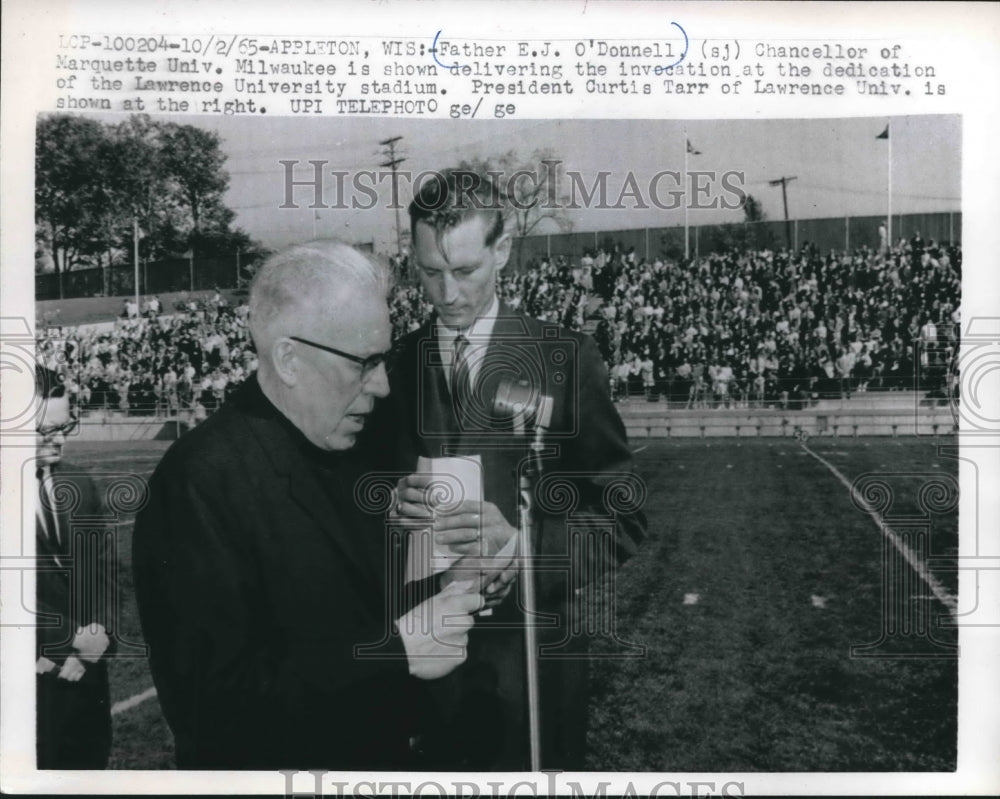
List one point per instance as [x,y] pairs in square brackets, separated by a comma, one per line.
[473,528]
[488,544]
[471,544]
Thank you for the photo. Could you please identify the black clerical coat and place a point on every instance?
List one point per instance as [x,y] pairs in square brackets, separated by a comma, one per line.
[264,599]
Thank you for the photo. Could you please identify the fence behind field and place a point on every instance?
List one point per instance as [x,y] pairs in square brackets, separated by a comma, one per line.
[834,233]
[931,420]
[155,277]
[890,414]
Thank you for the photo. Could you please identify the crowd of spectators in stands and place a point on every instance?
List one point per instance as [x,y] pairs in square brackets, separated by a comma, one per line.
[155,362]
[738,329]
[750,329]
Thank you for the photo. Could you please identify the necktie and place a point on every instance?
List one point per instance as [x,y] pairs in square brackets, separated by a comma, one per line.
[461,383]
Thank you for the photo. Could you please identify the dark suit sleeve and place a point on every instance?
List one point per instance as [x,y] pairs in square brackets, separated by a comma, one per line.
[595,466]
[387,445]
[99,547]
[83,592]
[389,441]
[234,656]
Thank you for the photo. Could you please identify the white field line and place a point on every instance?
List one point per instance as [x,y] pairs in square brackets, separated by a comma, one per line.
[939,591]
[132,701]
[640,449]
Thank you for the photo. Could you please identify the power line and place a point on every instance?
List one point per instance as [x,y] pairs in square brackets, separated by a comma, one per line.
[873,192]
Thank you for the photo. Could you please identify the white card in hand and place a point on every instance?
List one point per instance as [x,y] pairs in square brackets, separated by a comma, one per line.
[454,480]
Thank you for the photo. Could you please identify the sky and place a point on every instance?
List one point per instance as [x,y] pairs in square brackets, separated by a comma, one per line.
[840,167]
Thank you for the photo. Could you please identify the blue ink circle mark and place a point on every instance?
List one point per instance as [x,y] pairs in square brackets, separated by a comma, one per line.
[434,53]
[658,70]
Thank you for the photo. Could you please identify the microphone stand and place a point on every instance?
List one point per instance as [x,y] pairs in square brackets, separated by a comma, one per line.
[526,529]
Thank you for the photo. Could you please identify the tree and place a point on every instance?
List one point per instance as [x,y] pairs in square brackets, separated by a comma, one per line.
[531,188]
[753,233]
[193,159]
[753,211]
[70,179]
[97,184]
[141,193]
[757,234]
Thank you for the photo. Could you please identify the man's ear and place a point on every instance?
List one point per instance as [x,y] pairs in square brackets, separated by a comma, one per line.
[501,250]
[285,360]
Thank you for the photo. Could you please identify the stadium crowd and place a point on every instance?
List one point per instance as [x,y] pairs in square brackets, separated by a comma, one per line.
[777,327]
[155,362]
[737,329]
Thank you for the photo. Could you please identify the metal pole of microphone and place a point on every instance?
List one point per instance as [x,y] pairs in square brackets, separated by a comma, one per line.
[509,399]
[528,479]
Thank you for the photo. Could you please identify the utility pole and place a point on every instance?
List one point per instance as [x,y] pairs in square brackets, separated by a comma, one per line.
[783,182]
[392,163]
[135,255]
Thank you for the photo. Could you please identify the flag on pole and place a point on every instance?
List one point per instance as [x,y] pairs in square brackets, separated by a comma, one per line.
[688,150]
[884,135]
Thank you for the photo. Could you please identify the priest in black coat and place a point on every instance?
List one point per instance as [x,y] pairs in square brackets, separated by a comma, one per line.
[277,631]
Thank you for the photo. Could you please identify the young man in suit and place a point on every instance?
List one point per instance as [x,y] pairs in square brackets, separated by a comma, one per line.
[74,588]
[444,388]
[277,633]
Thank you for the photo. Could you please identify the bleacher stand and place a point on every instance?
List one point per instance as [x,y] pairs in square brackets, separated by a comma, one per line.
[741,329]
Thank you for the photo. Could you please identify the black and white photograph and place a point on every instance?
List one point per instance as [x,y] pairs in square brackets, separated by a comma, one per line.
[769,334]
[631,447]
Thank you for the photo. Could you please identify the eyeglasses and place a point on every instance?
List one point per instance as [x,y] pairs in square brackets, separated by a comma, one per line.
[65,429]
[368,365]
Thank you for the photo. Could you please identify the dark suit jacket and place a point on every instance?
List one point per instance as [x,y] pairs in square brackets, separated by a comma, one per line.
[589,519]
[74,587]
[257,581]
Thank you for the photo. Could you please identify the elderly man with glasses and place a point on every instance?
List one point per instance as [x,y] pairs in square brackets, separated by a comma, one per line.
[73,586]
[278,633]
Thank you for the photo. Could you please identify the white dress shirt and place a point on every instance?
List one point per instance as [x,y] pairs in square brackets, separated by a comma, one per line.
[478,335]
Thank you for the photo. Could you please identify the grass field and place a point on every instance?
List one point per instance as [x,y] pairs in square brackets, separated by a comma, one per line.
[758,578]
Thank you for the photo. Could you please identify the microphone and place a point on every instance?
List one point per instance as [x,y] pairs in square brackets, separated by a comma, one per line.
[520,402]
